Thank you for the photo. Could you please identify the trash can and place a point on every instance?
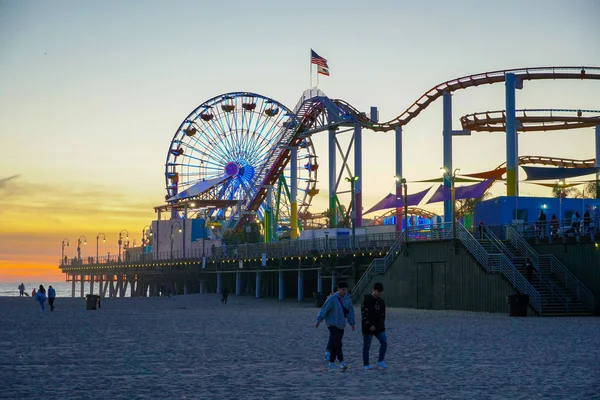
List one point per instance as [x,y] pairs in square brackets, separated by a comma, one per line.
[319,299]
[517,305]
[91,300]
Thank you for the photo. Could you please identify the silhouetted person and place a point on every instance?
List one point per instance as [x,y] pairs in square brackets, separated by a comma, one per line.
[529,270]
[21,290]
[576,222]
[224,296]
[51,297]
[40,296]
[587,219]
[373,324]
[33,293]
[554,225]
[542,221]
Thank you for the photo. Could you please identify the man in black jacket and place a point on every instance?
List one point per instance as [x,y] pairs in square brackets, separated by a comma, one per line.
[373,324]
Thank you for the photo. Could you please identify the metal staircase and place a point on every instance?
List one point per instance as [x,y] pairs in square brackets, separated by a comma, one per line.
[498,262]
[580,301]
[556,299]
[378,266]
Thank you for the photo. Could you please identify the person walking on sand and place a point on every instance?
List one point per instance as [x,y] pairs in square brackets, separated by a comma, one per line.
[51,297]
[337,309]
[373,324]
[40,296]
[225,295]
[21,290]
[33,293]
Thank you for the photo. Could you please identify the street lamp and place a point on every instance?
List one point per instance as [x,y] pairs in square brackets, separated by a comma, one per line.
[65,241]
[79,246]
[452,178]
[561,184]
[103,241]
[175,222]
[121,240]
[144,239]
[352,181]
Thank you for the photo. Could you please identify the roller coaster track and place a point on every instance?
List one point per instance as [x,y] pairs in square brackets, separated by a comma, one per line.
[311,114]
[530,120]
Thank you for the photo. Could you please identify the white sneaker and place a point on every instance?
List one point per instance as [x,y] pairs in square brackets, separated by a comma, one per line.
[382,364]
[368,367]
[343,365]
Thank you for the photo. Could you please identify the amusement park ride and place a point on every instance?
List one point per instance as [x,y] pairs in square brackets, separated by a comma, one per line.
[242,158]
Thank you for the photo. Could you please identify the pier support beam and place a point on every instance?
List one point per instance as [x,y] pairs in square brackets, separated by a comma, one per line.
[512,145]
[319,282]
[447,136]
[100,285]
[300,285]
[399,176]
[357,200]
[332,180]
[257,286]
[333,282]
[281,285]
[294,192]
[597,161]
[219,282]
[81,291]
[238,283]
[73,280]
[92,284]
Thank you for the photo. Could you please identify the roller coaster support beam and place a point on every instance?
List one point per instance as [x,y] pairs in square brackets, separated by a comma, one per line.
[268,221]
[447,134]
[512,140]
[357,200]
[399,177]
[332,180]
[598,161]
[294,191]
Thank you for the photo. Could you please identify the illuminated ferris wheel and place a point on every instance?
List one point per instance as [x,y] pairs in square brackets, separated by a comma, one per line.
[221,148]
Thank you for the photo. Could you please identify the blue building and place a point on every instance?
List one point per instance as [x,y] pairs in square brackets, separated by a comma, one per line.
[505,209]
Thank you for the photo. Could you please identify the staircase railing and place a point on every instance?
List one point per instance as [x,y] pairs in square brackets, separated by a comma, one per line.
[583,294]
[499,263]
[557,268]
[378,266]
[499,244]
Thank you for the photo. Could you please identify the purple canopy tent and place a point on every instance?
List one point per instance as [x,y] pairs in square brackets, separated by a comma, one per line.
[390,201]
[464,192]
[542,174]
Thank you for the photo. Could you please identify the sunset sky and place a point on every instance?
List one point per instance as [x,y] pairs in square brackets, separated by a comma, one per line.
[91,94]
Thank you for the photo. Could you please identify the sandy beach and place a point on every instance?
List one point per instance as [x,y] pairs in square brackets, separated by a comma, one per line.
[193,347]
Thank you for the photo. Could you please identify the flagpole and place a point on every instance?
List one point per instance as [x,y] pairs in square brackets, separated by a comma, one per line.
[318,79]
[310,68]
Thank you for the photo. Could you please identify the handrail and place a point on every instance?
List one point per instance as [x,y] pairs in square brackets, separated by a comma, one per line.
[499,263]
[572,283]
[379,265]
[583,294]
[522,246]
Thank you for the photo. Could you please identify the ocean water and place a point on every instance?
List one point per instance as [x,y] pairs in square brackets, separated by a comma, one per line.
[63,289]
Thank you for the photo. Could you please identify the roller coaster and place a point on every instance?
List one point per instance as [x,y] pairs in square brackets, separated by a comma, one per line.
[234,159]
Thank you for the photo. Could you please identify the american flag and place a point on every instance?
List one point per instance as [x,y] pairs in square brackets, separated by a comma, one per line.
[317,59]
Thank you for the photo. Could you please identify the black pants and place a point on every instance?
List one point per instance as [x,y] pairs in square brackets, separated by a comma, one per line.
[335,336]
[51,302]
[224,299]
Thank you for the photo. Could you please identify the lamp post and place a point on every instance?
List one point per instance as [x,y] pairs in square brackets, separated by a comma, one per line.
[176,222]
[405,209]
[144,239]
[79,246]
[452,178]
[352,180]
[121,240]
[64,242]
[561,184]
[103,241]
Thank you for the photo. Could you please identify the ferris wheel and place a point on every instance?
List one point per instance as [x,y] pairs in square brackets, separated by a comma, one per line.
[220,150]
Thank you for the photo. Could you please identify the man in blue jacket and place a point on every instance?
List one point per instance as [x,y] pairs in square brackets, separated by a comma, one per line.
[373,324]
[51,297]
[336,311]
